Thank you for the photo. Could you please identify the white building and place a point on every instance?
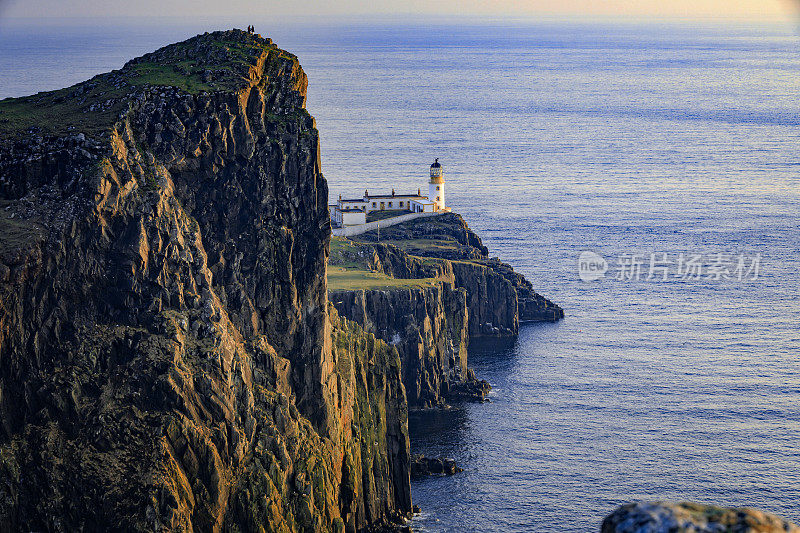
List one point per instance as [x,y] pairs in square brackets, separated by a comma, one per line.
[349,212]
[342,217]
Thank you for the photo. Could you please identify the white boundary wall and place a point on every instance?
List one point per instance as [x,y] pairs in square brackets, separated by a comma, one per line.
[349,231]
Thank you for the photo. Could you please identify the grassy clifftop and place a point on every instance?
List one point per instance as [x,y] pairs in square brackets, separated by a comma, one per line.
[219,61]
[354,266]
[350,279]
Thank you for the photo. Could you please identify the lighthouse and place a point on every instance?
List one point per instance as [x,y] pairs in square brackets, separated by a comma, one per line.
[436,185]
[354,212]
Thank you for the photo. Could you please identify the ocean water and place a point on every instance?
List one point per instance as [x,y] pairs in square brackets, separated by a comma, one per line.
[624,140]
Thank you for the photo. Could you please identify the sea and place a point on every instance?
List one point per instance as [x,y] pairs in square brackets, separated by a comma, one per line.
[644,176]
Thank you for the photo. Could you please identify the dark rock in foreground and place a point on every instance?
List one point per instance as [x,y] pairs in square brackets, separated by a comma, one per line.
[666,517]
[422,466]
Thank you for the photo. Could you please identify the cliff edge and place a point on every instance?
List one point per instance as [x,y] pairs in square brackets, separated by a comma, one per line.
[498,297]
[168,359]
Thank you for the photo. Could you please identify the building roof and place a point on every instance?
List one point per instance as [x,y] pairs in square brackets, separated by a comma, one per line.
[436,163]
[384,196]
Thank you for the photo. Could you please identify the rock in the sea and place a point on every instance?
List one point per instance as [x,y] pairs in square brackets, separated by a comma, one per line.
[471,389]
[666,517]
[422,466]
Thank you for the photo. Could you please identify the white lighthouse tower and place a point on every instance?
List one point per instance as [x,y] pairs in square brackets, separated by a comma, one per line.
[436,186]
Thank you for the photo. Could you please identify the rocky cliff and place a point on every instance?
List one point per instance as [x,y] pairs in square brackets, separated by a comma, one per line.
[426,319]
[428,327]
[168,359]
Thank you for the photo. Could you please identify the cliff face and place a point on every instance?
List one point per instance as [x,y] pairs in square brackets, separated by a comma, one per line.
[427,320]
[167,356]
[428,326]
[492,299]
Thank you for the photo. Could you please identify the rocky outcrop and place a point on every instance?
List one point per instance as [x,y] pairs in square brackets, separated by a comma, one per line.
[665,517]
[427,323]
[500,299]
[422,466]
[431,325]
[491,298]
[531,306]
[462,243]
[387,259]
[168,359]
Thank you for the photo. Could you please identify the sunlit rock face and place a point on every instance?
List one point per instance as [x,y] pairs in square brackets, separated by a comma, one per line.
[168,359]
[666,517]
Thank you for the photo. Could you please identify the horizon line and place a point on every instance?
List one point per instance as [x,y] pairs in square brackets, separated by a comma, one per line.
[399,18]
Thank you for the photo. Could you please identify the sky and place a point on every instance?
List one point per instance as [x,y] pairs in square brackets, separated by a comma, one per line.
[352,10]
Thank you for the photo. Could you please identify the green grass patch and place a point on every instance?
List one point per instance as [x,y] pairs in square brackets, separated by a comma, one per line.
[349,254]
[92,106]
[184,75]
[415,246]
[87,108]
[350,279]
